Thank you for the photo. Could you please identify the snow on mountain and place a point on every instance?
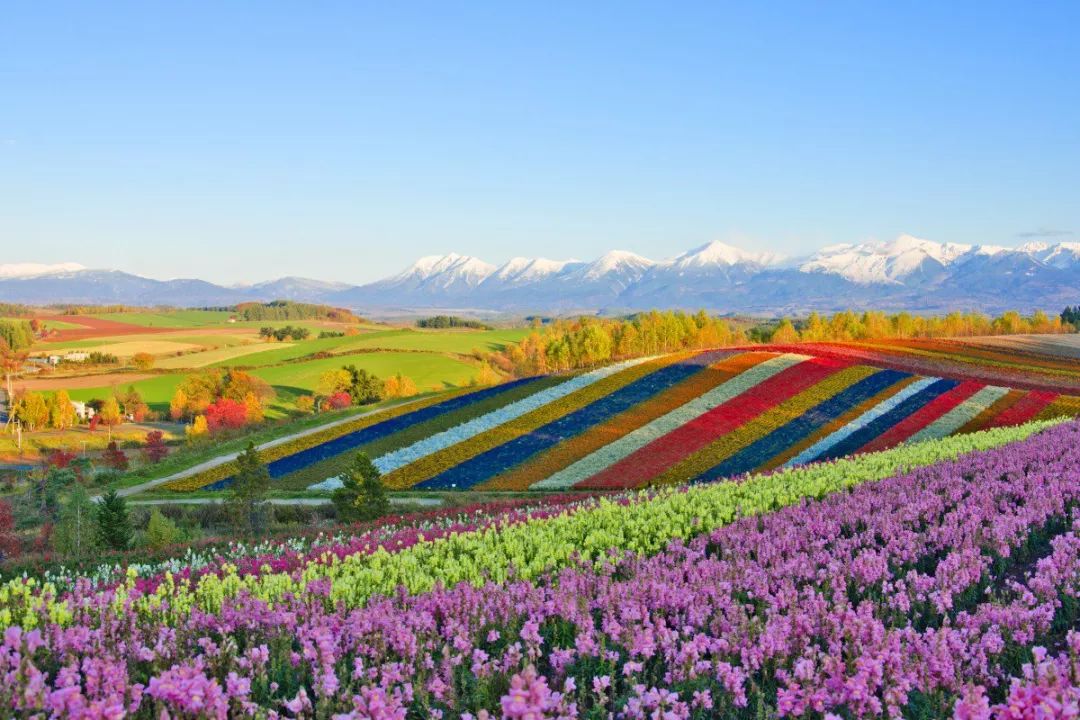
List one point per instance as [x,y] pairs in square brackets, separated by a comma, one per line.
[446,270]
[884,262]
[617,264]
[521,270]
[1060,255]
[26,270]
[719,254]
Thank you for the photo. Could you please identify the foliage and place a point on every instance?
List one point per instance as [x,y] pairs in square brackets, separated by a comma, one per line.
[161,532]
[338,401]
[364,387]
[61,411]
[114,457]
[247,494]
[305,404]
[450,321]
[142,360]
[1071,315]
[155,449]
[226,413]
[362,495]
[10,545]
[16,334]
[399,386]
[198,429]
[114,529]
[75,533]
[32,409]
[110,415]
[289,310]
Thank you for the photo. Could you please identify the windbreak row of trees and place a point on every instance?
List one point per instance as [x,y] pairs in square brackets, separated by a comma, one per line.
[289,310]
[587,341]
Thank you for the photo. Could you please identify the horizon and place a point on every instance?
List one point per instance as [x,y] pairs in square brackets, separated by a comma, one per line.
[345,142]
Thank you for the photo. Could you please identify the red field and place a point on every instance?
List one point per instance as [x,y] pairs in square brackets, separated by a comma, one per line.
[95,327]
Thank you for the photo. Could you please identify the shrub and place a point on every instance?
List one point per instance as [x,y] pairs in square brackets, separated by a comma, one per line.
[161,531]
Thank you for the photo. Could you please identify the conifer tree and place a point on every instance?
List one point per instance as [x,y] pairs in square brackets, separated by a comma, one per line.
[113,522]
[363,495]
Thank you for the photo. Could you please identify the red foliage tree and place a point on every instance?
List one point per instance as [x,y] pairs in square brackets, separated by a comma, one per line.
[114,457]
[94,422]
[59,458]
[226,413]
[9,540]
[155,449]
[339,400]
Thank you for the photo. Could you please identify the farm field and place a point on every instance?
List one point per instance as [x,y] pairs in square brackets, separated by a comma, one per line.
[691,417]
[683,603]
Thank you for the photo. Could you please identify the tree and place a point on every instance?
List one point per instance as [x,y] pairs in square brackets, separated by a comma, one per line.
[226,413]
[33,410]
[113,522]
[399,386]
[305,404]
[10,546]
[142,360]
[198,429]
[109,415]
[332,382]
[114,457]
[785,333]
[161,532]
[364,387]
[362,495]
[155,449]
[178,406]
[254,408]
[75,534]
[133,405]
[247,496]
[61,411]
[338,401]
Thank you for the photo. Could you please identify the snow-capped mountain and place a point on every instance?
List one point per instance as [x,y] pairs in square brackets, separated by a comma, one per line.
[906,273]
[898,261]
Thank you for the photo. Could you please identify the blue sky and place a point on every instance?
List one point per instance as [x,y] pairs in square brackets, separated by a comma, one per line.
[242,141]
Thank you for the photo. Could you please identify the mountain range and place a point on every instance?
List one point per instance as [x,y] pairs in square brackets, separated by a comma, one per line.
[905,273]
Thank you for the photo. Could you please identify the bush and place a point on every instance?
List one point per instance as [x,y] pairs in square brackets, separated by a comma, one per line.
[161,531]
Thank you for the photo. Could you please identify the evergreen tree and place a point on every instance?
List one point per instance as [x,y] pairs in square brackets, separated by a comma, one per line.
[248,497]
[365,387]
[113,523]
[363,495]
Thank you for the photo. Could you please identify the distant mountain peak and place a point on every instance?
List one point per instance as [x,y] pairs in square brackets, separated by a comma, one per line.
[719,253]
[27,270]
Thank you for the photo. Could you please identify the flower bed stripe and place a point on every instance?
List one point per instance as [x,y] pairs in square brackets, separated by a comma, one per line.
[737,375]
[378,426]
[502,458]
[922,417]
[224,470]
[1026,408]
[982,420]
[825,445]
[659,457]
[565,453]
[1062,406]
[694,466]
[960,415]
[925,392]
[399,458]
[811,421]
[841,421]
[334,466]
[432,464]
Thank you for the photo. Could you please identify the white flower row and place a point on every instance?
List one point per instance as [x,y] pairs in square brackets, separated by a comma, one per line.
[467,430]
[959,416]
[830,441]
[633,441]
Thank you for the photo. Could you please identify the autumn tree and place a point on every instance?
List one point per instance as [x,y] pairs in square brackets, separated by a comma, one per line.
[785,333]
[110,415]
[33,410]
[178,405]
[155,449]
[226,413]
[142,360]
[333,381]
[61,411]
[10,546]
[198,429]
[114,457]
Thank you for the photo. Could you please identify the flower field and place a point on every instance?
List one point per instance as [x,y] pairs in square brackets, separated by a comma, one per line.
[936,578]
[690,417]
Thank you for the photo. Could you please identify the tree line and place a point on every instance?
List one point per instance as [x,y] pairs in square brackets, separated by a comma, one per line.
[588,341]
[289,310]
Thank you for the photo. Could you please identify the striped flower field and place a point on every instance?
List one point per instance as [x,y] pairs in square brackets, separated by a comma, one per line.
[683,418]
